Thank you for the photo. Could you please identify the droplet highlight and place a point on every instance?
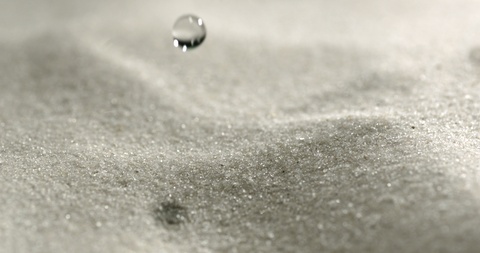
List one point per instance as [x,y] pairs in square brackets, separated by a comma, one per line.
[188,32]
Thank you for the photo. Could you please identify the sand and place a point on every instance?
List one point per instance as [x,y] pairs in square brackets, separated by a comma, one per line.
[311,126]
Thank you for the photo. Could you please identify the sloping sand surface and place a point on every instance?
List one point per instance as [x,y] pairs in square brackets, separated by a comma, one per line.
[312,126]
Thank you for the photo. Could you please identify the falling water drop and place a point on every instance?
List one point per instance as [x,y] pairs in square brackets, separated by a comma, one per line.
[188,32]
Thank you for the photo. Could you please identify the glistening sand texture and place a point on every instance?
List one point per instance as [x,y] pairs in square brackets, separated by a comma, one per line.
[315,126]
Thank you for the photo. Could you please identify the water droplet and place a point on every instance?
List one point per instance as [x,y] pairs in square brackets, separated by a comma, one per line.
[188,32]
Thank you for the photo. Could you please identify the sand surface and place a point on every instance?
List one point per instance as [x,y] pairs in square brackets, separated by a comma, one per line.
[299,126]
